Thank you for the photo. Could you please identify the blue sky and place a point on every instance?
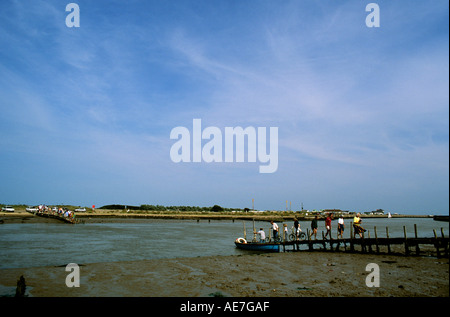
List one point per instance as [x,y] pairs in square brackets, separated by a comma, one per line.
[362,113]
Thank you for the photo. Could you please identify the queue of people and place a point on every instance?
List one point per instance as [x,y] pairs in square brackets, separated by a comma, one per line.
[277,235]
[357,221]
[61,212]
[358,229]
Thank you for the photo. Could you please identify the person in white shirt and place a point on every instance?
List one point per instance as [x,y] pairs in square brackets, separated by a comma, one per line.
[341,227]
[275,230]
[262,235]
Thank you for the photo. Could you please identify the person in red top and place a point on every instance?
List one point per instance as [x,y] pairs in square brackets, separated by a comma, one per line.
[328,225]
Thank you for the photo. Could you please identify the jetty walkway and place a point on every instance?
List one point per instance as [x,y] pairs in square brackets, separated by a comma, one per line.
[59,216]
[367,244]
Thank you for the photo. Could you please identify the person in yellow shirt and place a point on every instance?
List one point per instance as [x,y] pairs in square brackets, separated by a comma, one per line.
[358,229]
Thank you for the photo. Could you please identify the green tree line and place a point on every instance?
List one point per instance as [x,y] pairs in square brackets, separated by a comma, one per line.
[215,208]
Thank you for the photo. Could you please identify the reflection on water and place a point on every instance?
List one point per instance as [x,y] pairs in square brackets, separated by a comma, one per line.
[42,244]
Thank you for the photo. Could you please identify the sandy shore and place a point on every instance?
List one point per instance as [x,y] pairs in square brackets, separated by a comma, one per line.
[313,274]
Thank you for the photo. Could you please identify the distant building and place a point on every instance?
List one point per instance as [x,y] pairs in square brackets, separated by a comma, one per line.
[335,211]
[375,212]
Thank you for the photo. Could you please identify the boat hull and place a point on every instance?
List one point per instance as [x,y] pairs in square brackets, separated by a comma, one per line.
[261,247]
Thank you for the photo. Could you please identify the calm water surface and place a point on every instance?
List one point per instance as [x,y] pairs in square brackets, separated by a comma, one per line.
[44,244]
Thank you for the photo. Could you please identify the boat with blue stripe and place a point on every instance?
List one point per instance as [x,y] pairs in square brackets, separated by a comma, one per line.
[241,243]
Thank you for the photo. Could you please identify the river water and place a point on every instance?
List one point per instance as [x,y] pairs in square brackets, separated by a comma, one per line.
[51,244]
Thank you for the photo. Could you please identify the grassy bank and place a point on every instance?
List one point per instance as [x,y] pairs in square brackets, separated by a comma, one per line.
[265,216]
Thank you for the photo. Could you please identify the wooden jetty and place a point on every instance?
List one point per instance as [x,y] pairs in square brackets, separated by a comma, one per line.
[57,216]
[441,218]
[366,244]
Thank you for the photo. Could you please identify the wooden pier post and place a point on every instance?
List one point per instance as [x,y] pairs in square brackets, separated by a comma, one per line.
[351,237]
[363,243]
[436,244]
[417,244]
[21,287]
[406,241]
[331,243]
[254,231]
[310,246]
[323,242]
[387,236]
[445,243]
[376,239]
[370,242]
[338,244]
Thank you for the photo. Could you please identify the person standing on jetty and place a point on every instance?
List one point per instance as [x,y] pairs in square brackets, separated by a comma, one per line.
[285,232]
[314,227]
[341,227]
[328,225]
[274,229]
[357,226]
[296,228]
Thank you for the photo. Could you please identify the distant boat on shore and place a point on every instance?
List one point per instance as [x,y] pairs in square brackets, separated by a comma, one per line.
[389,215]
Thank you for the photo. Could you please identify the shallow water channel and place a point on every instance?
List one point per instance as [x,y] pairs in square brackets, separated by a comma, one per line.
[53,244]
